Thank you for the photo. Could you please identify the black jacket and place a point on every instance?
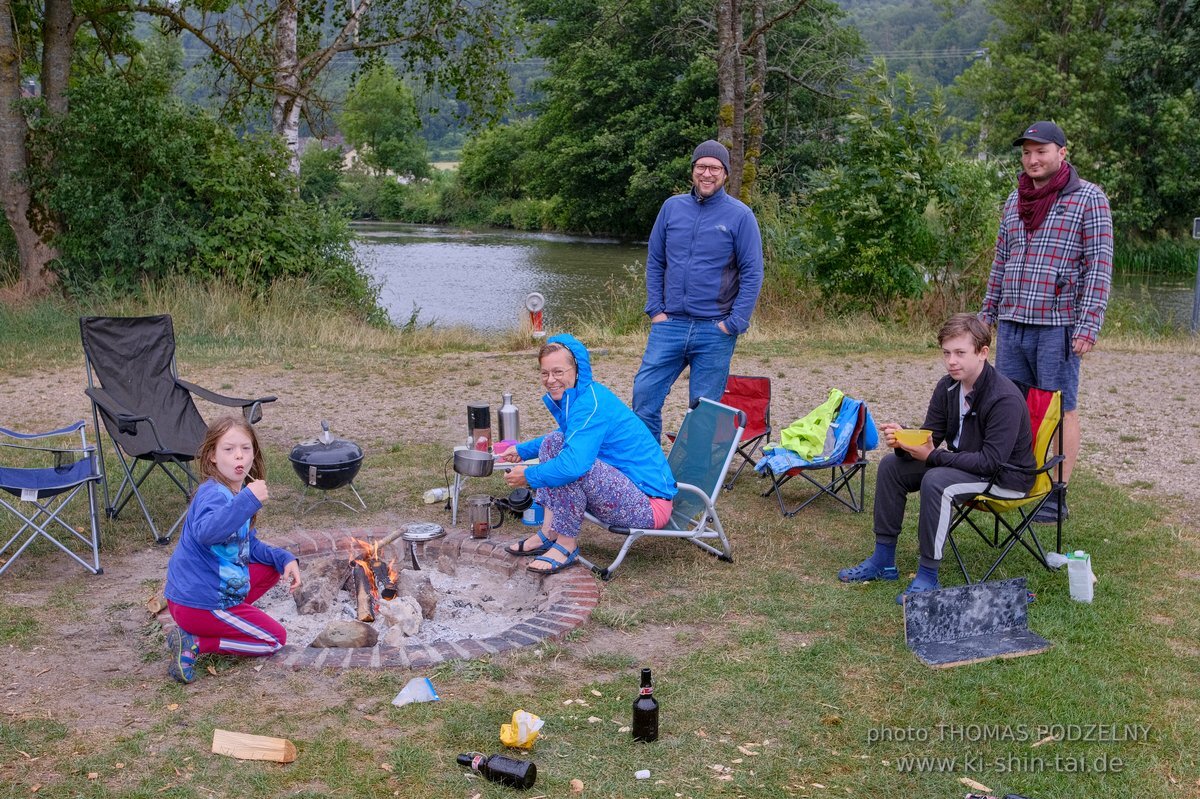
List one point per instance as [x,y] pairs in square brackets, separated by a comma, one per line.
[995,431]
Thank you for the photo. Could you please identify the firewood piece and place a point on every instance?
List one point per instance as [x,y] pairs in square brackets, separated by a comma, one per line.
[383,581]
[390,537]
[253,747]
[362,593]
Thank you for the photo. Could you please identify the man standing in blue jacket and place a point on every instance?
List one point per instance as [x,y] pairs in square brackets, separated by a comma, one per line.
[704,269]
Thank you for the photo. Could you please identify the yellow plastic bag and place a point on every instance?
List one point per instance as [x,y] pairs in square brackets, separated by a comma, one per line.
[522,732]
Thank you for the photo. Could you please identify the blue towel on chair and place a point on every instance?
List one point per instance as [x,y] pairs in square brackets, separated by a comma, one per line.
[837,443]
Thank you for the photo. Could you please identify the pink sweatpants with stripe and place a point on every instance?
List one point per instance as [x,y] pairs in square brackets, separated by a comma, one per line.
[240,630]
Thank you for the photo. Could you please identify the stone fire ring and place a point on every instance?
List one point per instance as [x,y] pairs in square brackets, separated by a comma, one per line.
[572,596]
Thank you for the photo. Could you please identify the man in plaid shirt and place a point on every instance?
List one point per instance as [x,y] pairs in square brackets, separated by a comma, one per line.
[1050,279]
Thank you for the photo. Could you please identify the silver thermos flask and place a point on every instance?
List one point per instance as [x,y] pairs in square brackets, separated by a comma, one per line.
[510,424]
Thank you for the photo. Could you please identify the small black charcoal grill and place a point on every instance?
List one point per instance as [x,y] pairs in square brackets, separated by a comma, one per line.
[327,463]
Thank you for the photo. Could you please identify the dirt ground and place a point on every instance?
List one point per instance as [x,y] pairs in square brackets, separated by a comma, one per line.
[1140,420]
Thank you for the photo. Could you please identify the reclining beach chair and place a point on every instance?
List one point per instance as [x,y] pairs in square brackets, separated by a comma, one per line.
[850,435]
[1012,519]
[148,412]
[699,458]
[751,396]
[43,478]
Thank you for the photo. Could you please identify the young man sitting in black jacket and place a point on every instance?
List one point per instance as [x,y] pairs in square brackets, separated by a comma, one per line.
[981,416]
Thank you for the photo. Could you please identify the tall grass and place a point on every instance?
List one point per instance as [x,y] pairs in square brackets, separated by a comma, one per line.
[1161,257]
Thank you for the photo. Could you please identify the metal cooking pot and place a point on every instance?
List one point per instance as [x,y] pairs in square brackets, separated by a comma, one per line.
[327,462]
[473,462]
[516,503]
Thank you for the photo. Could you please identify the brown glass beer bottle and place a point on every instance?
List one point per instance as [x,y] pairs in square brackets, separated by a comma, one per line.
[645,712]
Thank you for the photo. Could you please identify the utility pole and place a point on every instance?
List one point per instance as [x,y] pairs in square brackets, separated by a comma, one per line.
[1196,294]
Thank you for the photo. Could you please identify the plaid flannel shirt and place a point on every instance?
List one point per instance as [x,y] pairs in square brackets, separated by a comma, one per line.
[1062,274]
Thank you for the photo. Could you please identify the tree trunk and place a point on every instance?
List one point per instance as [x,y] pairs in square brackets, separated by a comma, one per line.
[730,111]
[58,36]
[33,255]
[755,103]
[285,111]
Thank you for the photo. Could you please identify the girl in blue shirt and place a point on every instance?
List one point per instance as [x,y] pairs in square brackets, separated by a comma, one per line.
[220,568]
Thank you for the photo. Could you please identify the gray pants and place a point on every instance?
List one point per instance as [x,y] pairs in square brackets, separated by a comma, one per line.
[897,478]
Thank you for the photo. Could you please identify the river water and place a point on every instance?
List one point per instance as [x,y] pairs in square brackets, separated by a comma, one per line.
[480,278]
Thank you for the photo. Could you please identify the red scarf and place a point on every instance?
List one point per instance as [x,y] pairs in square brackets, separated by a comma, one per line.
[1034,203]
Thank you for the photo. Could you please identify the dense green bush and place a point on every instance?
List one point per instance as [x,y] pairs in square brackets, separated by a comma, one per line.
[902,212]
[177,192]
[321,174]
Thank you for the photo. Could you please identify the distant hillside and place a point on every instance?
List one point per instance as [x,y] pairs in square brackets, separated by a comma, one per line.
[921,36]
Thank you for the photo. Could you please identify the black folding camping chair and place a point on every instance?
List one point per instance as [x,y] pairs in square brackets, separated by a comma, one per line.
[149,415]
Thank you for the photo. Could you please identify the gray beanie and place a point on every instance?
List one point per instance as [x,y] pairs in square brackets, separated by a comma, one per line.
[712,149]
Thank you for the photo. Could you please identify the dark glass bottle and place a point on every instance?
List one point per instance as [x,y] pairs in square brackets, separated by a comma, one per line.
[504,770]
[645,712]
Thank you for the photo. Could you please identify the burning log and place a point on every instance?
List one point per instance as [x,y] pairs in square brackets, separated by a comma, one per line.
[363,599]
[385,583]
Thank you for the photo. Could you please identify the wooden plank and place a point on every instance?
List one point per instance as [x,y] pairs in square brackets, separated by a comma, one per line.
[253,747]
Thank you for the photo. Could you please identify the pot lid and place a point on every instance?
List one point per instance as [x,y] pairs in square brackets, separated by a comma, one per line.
[423,531]
[325,450]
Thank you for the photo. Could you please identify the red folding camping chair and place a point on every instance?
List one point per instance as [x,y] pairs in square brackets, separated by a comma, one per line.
[751,396]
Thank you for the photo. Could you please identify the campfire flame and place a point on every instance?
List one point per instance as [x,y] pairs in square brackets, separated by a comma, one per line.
[369,561]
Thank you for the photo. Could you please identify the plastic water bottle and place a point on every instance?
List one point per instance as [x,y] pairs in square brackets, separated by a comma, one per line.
[1079,575]
[439,494]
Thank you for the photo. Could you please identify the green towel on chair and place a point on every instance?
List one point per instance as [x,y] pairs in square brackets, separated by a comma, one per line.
[806,436]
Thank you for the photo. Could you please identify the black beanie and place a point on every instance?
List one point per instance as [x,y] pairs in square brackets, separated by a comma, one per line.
[712,149]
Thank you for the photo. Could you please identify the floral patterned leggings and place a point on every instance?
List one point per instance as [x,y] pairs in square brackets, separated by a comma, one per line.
[604,491]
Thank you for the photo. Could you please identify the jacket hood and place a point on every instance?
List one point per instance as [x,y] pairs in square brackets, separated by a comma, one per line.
[583,360]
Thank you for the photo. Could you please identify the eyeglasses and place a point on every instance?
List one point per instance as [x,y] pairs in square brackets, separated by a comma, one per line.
[708,170]
[557,374]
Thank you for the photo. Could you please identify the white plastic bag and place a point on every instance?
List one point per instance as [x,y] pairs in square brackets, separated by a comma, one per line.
[419,689]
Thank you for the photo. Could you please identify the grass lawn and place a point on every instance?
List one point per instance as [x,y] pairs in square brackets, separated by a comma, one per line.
[774,679]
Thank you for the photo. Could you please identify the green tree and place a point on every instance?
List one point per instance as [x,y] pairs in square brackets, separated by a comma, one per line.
[178,192]
[274,54]
[379,119]
[49,40]
[632,87]
[1119,77]
[901,212]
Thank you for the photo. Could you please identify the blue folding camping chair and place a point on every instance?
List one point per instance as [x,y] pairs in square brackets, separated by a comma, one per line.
[44,478]
[850,435]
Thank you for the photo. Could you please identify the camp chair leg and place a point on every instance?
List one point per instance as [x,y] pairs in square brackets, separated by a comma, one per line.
[747,460]
[38,526]
[132,482]
[840,477]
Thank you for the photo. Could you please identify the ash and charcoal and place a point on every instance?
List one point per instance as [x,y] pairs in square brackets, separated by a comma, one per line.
[443,601]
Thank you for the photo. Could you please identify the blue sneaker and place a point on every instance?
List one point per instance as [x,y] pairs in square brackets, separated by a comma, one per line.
[183,649]
[915,588]
[868,571]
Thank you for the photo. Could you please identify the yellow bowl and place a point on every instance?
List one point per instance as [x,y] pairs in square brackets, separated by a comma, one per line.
[912,438]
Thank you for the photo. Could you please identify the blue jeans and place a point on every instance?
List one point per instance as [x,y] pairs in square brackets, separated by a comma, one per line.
[674,344]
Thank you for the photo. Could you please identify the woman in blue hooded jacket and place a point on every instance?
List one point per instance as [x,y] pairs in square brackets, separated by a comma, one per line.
[602,459]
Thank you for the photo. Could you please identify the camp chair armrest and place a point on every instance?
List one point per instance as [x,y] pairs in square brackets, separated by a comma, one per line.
[695,490]
[127,421]
[1050,464]
[251,407]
